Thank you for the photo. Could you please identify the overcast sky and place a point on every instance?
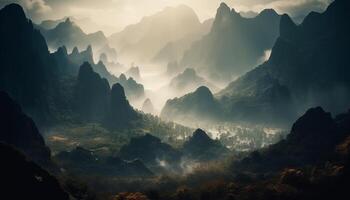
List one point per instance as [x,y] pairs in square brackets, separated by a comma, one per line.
[114,15]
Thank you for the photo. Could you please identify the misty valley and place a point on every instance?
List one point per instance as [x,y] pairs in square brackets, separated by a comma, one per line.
[251,101]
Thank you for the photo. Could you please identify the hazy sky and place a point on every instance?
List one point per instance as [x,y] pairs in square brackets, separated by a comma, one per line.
[113,15]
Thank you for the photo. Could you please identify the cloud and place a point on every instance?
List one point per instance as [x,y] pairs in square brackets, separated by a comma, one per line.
[36,6]
[119,13]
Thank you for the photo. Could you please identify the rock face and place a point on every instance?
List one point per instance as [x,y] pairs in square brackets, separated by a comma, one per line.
[201,147]
[82,161]
[234,45]
[197,106]
[312,139]
[25,63]
[142,41]
[26,178]
[120,111]
[150,150]
[19,130]
[92,94]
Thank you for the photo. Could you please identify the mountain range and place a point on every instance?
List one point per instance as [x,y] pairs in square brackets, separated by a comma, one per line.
[142,42]
[307,68]
[234,44]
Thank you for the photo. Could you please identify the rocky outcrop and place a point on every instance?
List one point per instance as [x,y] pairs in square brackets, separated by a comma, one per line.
[193,107]
[92,94]
[201,147]
[120,113]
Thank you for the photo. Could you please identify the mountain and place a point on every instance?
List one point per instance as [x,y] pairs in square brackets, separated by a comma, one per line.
[174,50]
[148,107]
[27,71]
[193,107]
[312,140]
[188,81]
[120,113]
[82,161]
[307,62]
[31,180]
[92,94]
[234,45]
[19,130]
[201,147]
[150,150]
[68,34]
[69,64]
[142,41]
[289,81]
[258,97]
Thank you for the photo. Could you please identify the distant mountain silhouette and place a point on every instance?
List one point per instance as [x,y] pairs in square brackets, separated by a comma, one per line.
[188,81]
[202,148]
[21,178]
[234,45]
[82,161]
[69,34]
[120,113]
[307,62]
[197,106]
[69,64]
[141,42]
[92,94]
[307,68]
[174,50]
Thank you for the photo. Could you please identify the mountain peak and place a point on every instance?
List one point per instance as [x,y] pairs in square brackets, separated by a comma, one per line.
[200,135]
[118,91]
[75,51]
[287,26]
[268,13]
[13,11]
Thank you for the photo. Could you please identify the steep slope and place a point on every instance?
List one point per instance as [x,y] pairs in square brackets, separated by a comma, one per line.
[120,113]
[309,61]
[234,45]
[142,41]
[193,107]
[92,94]
[26,70]
[307,67]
